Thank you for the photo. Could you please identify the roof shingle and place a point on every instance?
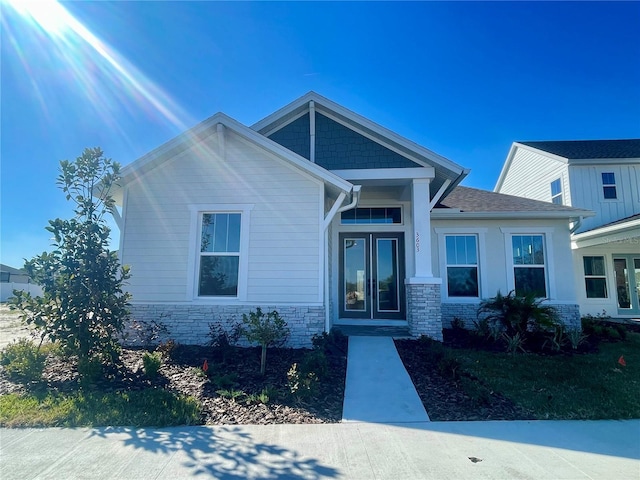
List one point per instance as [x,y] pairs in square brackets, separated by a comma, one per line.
[469,199]
[586,149]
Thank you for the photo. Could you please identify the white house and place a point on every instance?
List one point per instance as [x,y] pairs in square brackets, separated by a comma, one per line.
[330,219]
[15,279]
[598,175]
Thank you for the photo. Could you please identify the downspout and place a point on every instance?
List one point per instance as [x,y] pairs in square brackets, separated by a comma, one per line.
[335,209]
[576,225]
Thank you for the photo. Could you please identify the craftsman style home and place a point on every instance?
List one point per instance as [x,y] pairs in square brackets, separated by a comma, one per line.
[598,175]
[330,219]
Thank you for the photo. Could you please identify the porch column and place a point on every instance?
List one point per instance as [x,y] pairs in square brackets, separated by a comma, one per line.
[424,313]
[421,229]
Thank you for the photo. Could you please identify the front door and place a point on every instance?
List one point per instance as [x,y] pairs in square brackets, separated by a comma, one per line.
[372,275]
[627,275]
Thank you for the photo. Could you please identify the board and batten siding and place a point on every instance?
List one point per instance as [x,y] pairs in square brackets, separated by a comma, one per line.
[284,228]
[530,176]
[587,192]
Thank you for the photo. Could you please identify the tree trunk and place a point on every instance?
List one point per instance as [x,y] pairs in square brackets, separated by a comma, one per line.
[263,360]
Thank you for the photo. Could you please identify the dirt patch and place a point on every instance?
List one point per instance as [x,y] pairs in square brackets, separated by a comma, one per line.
[11,327]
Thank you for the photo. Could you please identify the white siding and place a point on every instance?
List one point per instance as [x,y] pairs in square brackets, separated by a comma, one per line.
[494,270]
[587,192]
[530,175]
[284,232]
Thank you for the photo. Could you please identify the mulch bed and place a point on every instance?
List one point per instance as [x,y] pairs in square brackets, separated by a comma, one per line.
[444,397]
[182,373]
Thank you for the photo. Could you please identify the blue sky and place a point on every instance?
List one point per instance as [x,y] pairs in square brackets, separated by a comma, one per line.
[462,79]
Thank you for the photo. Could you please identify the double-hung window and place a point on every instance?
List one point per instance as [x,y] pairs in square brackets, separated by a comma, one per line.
[462,265]
[595,278]
[609,185]
[556,192]
[529,269]
[219,254]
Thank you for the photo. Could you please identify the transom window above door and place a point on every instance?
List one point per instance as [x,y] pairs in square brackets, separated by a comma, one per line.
[372,216]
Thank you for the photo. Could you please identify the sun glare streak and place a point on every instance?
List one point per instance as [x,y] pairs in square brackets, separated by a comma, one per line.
[106,79]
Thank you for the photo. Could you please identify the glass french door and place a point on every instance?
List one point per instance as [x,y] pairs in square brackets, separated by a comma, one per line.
[372,275]
[627,275]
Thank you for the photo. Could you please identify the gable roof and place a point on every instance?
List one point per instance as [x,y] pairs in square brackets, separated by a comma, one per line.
[476,202]
[445,169]
[208,127]
[587,149]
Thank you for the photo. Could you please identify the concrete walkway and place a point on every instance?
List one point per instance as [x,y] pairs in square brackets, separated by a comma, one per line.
[378,388]
[427,450]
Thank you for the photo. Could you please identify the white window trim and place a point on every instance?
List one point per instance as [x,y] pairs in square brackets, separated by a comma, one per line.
[483,286]
[547,236]
[616,177]
[558,195]
[605,276]
[196,212]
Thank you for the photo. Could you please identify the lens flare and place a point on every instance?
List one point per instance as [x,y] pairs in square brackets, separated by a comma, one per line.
[50,41]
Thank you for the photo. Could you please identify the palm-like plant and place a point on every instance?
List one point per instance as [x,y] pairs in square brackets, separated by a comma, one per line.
[514,314]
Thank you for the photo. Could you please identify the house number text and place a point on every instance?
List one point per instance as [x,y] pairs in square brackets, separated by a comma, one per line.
[417,241]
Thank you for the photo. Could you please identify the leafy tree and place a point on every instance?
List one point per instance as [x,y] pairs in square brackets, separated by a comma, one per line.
[266,330]
[83,305]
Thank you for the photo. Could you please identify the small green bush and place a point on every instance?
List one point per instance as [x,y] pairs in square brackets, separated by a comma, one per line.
[23,361]
[301,384]
[315,361]
[151,363]
[266,330]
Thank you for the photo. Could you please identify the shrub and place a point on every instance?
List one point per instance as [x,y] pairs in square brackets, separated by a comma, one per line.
[332,343]
[223,340]
[315,361]
[23,361]
[302,384]
[84,304]
[151,363]
[513,314]
[266,330]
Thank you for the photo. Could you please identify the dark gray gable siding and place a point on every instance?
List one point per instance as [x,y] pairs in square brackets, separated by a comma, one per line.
[337,147]
[340,148]
[295,136]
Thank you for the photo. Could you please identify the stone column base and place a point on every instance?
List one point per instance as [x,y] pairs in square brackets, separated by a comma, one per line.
[424,314]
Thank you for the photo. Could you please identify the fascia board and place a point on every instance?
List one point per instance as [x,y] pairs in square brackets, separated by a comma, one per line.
[284,111]
[612,229]
[168,149]
[510,215]
[512,152]
[193,136]
[286,154]
[605,161]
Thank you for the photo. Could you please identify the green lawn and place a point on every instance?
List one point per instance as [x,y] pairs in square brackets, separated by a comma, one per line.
[581,386]
[150,407]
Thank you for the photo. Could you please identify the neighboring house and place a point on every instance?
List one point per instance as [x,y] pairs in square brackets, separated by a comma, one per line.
[598,175]
[14,279]
[330,219]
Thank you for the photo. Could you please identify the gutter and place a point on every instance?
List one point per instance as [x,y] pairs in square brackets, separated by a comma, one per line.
[576,225]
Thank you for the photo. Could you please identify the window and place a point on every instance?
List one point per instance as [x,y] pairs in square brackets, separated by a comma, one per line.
[609,185]
[529,265]
[462,265]
[556,192]
[219,256]
[595,279]
[372,216]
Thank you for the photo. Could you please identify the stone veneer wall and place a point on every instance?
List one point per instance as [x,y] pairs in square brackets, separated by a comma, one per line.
[424,314]
[569,313]
[189,324]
